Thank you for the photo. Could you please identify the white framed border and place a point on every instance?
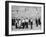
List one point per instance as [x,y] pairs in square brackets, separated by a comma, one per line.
[30,31]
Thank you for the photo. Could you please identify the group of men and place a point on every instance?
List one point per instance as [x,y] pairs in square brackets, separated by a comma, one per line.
[21,24]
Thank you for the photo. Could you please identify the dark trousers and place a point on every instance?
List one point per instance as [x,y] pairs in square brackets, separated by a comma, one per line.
[31,24]
[25,24]
[38,22]
[16,26]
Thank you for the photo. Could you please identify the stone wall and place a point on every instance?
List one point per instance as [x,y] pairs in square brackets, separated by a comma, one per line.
[26,11]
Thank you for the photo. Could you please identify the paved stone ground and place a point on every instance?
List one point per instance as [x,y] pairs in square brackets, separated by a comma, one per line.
[29,28]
